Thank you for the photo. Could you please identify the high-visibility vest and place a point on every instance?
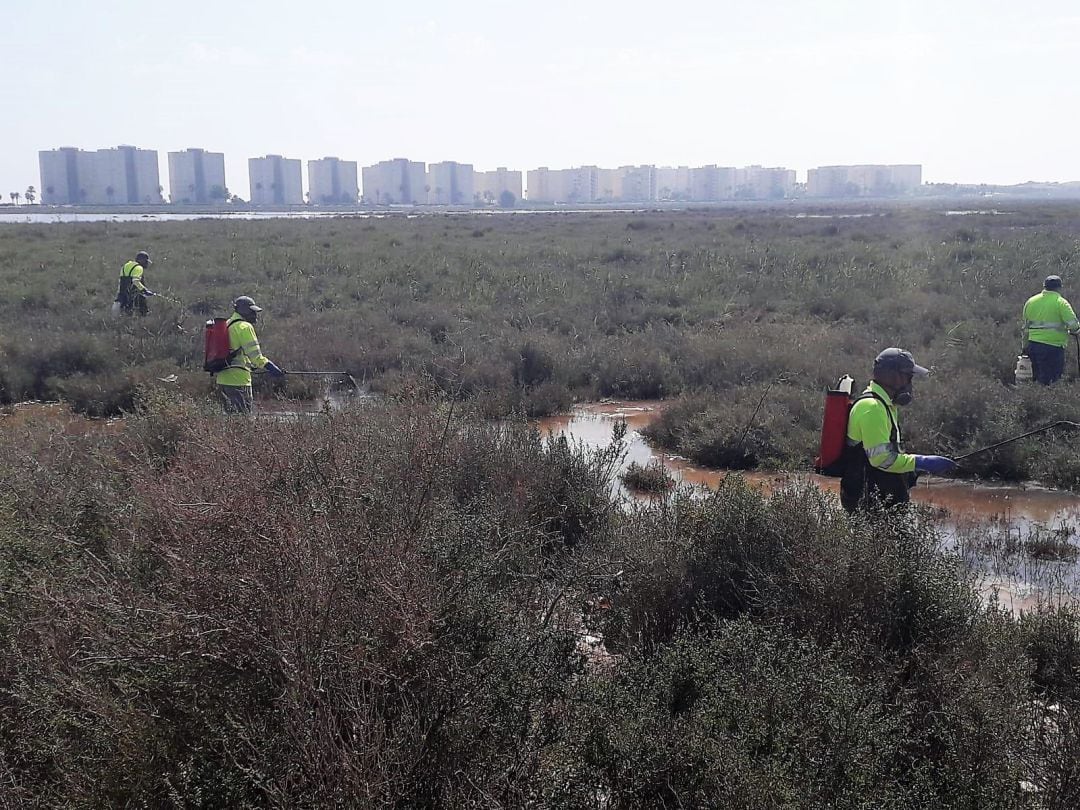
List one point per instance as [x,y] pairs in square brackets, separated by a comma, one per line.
[873,423]
[243,341]
[1048,319]
[130,281]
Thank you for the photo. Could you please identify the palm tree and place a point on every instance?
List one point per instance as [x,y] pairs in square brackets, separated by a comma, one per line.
[15,197]
[31,194]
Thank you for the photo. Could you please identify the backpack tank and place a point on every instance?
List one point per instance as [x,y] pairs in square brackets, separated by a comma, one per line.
[830,460]
[216,353]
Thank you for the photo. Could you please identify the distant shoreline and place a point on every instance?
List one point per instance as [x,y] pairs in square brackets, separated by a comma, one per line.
[985,199]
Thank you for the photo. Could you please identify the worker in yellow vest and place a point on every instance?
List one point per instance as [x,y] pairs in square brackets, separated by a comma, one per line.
[245,354]
[1048,321]
[132,292]
[876,470]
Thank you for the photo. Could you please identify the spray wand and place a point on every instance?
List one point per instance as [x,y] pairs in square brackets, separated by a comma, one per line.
[1061,423]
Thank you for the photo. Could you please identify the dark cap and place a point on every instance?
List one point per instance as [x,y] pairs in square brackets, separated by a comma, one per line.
[1052,283]
[898,360]
[245,303]
[143,258]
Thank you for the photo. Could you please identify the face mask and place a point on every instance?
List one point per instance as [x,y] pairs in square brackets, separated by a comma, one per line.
[252,318]
[905,396]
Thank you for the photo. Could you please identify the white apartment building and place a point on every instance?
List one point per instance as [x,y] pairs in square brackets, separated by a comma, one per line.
[544,185]
[126,176]
[608,185]
[489,187]
[332,180]
[673,183]
[905,177]
[66,175]
[761,183]
[712,183]
[636,183]
[450,183]
[197,177]
[580,184]
[864,180]
[121,176]
[397,181]
[275,180]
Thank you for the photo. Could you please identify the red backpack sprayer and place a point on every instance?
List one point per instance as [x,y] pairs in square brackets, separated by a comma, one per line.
[217,354]
[834,425]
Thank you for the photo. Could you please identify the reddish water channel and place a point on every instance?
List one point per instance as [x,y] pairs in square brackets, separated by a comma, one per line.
[995,527]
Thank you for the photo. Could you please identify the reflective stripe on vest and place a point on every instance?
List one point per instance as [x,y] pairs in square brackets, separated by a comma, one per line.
[1056,326]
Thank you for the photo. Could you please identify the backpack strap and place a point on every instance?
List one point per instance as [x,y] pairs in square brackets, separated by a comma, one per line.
[236,351]
[895,434]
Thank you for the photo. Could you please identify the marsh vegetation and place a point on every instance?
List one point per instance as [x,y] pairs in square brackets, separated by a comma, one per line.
[400,603]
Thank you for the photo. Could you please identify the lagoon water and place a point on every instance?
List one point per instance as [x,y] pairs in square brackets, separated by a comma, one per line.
[25,216]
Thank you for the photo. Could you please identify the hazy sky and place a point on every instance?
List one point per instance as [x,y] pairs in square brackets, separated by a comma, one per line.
[974,90]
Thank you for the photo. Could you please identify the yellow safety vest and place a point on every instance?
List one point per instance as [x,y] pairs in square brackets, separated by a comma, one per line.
[875,426]
[248,354]
[1049,318]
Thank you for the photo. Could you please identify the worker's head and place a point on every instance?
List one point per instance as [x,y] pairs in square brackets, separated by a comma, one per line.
[1052,283]
[143,258]
[895,370]
[246,308]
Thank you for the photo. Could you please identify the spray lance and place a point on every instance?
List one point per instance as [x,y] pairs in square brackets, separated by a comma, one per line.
[346,376]
[1061,423]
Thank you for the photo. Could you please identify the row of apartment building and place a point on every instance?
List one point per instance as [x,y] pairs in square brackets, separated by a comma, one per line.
[447,183]
[863,181]
[585,184]
[127,175]
[124,175]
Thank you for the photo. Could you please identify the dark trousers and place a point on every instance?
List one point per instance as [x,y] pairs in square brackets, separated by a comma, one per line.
[866,487]
[1047,362]
[236,398]
[133,303]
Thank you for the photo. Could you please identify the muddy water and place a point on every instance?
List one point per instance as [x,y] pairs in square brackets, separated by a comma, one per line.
[980,521]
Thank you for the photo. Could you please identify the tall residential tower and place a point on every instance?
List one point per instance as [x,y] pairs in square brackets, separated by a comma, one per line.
[197,177]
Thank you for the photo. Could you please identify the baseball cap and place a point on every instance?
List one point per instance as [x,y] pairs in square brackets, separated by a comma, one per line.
[894,359]
[246,302]
[1052,283]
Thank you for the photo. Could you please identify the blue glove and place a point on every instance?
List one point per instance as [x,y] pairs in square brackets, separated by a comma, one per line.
[273,370]
[938,465]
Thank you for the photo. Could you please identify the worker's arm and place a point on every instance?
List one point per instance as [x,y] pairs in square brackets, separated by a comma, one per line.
[881,451]
[136,278]
[249,345]
[1068,317]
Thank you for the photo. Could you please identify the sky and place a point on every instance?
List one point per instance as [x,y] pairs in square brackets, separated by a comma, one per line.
[982,91]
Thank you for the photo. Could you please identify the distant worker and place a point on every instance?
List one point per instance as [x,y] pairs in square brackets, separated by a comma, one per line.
[1048,320]
[234,382]
[132,293]
[876,470]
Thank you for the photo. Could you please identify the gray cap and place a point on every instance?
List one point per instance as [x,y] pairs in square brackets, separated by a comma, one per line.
[894,359]
[245,303]
[1052,283]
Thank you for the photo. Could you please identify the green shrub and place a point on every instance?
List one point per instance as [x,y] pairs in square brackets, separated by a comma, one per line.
[651,478]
